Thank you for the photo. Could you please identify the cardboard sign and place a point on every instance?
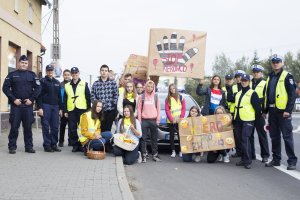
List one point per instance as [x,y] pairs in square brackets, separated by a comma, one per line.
[206,133]
[137,66]
[177,53]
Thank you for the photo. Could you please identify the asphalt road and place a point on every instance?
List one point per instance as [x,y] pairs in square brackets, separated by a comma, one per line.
[174,179]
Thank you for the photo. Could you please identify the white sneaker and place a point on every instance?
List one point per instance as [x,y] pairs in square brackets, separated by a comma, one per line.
[197,158]
[226,159]
[220,158]
[173,155]
[180,154]
[139,160]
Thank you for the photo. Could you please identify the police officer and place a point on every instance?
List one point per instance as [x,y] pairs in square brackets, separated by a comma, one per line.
[247,109]
[50,108]
[280,100]
[258,85]
[231,98]
[77,99]
[22,87]
[228,88]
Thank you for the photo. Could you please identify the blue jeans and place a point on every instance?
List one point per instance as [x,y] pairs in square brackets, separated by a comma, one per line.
[96,145]
[50,123]
[129,157]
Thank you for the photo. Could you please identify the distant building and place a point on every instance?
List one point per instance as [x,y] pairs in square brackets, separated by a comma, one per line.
[20,33]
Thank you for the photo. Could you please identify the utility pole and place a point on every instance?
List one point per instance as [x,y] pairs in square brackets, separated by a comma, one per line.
[55,45]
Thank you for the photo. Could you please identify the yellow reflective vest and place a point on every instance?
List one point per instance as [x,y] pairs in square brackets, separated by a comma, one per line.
[259,89]
[281,96]
[175,108]
[87,131]
[227,102]
[234,91]
[245,108]
[78,99]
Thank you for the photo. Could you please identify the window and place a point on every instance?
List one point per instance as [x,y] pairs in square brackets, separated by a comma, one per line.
[29,56]
[30,13]
[17,6]
[13,54]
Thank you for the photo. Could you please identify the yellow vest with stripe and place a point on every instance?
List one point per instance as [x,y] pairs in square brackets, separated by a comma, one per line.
[281,96]
[246,110]
[175,108]
[93,125]
[234,91]
[259,88]
[80,100]
[227,102]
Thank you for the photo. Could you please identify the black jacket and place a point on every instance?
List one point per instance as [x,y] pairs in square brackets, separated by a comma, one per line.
[50,93]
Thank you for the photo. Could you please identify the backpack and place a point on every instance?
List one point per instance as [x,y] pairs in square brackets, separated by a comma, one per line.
[155,99]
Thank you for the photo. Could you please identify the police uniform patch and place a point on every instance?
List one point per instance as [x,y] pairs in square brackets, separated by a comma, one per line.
[291,81]
[37,81]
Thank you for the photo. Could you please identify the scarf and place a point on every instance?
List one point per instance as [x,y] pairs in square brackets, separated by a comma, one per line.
[130,96]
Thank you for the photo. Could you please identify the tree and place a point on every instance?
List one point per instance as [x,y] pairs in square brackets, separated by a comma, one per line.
[255,60]
[243,64]
[190,87]
[292,65]
[222,65]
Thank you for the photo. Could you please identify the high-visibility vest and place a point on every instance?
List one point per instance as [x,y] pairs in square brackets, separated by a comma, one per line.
[245,108]
[281,96]
[234,91]
[259,88]
[175,108]
[227,102]
[78,100]
[93,125]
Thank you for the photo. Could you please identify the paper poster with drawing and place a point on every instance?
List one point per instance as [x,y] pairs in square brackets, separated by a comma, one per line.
[137,66]
[179,53]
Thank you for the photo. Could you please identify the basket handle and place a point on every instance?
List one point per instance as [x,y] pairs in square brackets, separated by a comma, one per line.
[100,141]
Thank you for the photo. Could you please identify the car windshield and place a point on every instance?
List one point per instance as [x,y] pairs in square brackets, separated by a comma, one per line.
[188,101]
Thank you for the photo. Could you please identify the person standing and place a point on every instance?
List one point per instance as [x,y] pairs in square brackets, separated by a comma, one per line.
[77,99]
[247,110]
[280,100]
[140,88]
[22,87]
[228,89]
[63,119]
[258,85]
[106,90]
[50,108]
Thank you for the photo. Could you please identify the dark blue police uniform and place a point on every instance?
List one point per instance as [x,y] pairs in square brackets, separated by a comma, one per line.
[21,84]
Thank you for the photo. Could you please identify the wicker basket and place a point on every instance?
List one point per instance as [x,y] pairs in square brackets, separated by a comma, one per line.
[95,155]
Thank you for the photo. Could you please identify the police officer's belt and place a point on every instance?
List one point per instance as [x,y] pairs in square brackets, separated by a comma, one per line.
[272,105]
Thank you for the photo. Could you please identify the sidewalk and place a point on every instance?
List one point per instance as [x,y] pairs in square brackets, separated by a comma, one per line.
[59,175]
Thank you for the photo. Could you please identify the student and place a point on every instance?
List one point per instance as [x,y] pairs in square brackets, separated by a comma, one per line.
[140,88]
[129,97]
[189,157]
[130,123]
[89,128]
[175,109]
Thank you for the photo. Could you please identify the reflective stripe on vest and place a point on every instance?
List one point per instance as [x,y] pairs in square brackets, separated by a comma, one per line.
[259,88]
[227,102]
[281,97]
[92,126]
[246,110]
[175,108]
[234,91]
[78,100]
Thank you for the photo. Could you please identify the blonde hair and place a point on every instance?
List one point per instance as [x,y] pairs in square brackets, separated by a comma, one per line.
[125,89]
[221,108]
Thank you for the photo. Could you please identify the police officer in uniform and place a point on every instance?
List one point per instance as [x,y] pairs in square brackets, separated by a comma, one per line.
[247,109]
[77,99]
[22,87]
[258,85]
[280,100]
[231,98]
[228,88]
[50,108]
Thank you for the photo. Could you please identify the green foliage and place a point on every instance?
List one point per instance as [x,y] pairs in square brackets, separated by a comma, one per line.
[222,65]
[190,87]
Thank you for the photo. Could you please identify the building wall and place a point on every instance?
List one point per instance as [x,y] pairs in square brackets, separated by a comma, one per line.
[15,28]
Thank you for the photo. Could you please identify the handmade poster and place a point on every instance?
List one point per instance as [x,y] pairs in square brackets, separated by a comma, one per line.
[206,133]
[179,53]
[137,66]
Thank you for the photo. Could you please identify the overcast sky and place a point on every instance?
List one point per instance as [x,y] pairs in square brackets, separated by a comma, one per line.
[95,32]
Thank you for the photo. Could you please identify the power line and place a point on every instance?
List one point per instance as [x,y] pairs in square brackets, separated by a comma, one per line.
[47,22]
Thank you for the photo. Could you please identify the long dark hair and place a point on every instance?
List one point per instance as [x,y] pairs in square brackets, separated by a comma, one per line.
[194,107]
[94,113]
[212,84]
[132,118]
[175,96]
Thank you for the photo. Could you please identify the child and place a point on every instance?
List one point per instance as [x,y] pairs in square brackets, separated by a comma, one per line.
[129,97]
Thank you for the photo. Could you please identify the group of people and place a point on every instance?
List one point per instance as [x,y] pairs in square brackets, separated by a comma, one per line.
[90,114]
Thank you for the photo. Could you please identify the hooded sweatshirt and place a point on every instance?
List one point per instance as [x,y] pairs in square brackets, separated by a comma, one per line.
[150,111]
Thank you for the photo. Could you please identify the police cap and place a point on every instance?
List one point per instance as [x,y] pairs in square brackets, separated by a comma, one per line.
[23,58]
[229,76]
[74,70]
[49,68]
[276,58]
[257,68]
[246,77]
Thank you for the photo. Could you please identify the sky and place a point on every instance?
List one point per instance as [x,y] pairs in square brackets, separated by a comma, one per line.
[93,32]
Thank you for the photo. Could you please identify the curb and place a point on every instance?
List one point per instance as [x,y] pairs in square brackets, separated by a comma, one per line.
[122,179]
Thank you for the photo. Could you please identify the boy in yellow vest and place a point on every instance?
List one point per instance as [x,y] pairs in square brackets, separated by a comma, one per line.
[247,110]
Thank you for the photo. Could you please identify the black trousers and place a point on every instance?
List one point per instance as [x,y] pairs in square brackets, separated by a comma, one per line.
[262,138]
[149,124]
[280,125]
[237,139]
[74,119]
[62,129]
[17,115]
[244,131]
[173,129]
[109,118]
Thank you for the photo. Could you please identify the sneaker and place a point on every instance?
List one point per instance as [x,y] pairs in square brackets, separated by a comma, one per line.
[226,159]
[180,154]
[156,158]
[144,158]
[220,158]
[139,160]
[173,155]
[197,158]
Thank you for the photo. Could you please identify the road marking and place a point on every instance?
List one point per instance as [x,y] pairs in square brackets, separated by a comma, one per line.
[293,173]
